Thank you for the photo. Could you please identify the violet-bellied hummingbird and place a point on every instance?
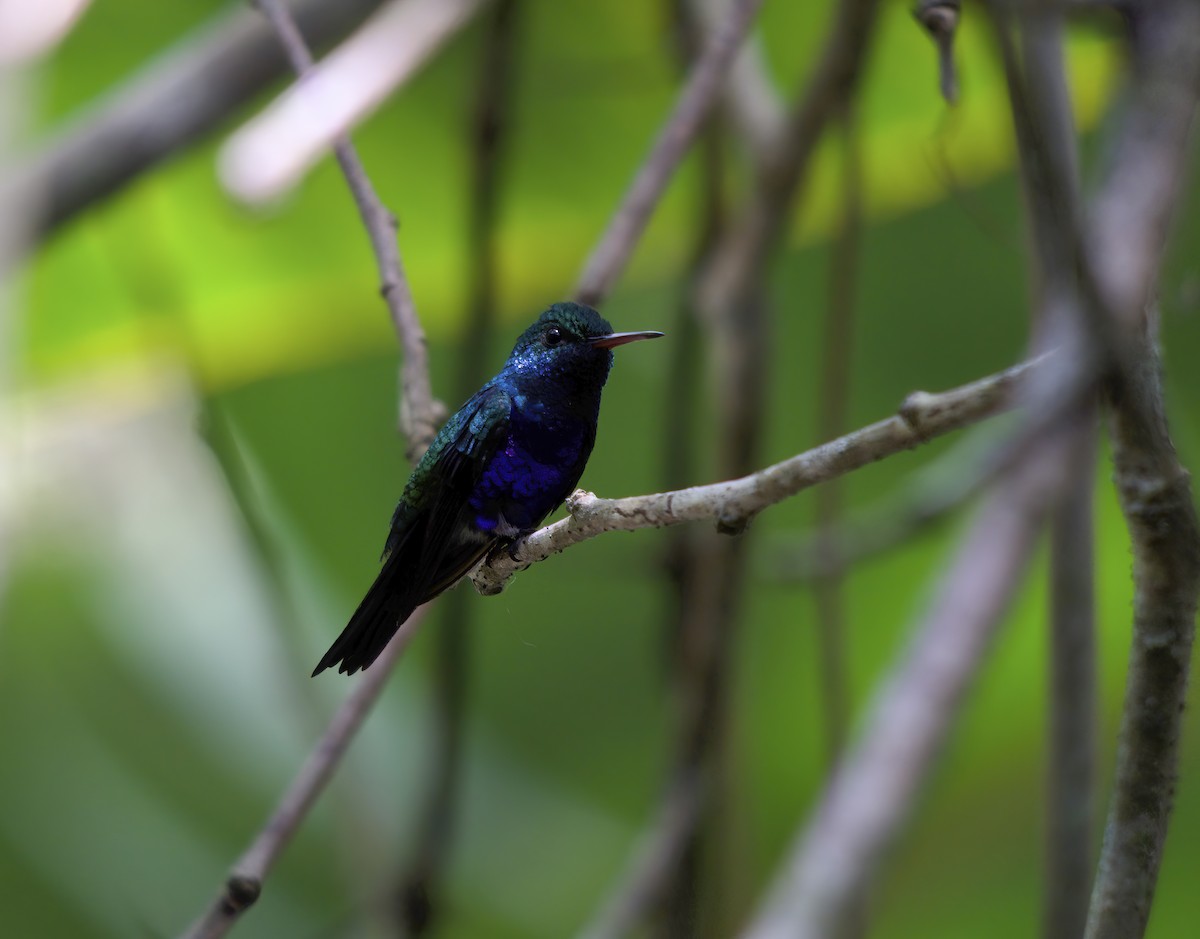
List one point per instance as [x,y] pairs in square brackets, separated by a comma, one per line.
[496,469]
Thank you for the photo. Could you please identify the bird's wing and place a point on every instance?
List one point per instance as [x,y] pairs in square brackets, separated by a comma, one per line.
[431,543]
[451,544]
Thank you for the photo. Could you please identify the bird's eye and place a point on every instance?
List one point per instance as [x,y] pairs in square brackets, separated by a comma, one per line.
[553,336]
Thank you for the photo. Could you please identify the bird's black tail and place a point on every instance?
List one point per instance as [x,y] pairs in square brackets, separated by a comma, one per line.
[387,604]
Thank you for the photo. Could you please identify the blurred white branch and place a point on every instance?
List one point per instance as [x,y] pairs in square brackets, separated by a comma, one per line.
[274,150]
[28,30]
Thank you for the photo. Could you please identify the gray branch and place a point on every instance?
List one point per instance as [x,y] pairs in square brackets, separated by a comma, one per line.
[922,417]
[184,94]
[1131,219]
[870,796]
[695,103]
[245,882]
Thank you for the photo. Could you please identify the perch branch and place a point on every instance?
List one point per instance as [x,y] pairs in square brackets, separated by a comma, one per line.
[922,417]
[274,150]
[695,103]
[420,414]
[245,882]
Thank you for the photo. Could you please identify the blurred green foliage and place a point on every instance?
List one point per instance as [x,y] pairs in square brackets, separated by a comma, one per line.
[154,697]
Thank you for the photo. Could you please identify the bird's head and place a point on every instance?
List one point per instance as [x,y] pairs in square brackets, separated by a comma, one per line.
[571,342]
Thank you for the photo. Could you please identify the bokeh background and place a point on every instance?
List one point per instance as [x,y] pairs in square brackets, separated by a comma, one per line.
[198,460]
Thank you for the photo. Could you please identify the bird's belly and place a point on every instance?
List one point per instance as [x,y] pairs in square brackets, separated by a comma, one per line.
[527,478]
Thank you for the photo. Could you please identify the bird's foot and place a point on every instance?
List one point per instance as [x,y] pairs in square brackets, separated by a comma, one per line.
[510,546]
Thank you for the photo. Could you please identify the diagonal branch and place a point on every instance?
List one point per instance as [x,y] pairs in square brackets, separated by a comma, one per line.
[420,415]
[695,103]
[921,418]
[245,882]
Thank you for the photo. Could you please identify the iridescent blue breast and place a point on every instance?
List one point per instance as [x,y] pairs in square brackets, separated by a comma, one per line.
[536,468]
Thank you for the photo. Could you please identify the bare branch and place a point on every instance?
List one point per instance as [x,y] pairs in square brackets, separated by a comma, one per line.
[832,420]
[653,863]
[1071,741]
[869,798]
[185,93]
[1132,214]
[1047,137]
[420,414]
[743,254]
[922,417]
[1118,265]
[934,492]
[666,847]
[752,103]
[611,254]
[274,150]
[245,882]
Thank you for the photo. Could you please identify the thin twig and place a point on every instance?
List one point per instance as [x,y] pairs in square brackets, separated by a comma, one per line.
[169,104]
[921,418]
[695,103]
[245,881]
[418,898]
[420,414]
[271,153]
[934,492]
[1050,137]
[1071,743]
[832,419]
[939,18]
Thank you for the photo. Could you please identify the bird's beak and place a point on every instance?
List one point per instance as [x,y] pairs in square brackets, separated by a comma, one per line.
[619,339]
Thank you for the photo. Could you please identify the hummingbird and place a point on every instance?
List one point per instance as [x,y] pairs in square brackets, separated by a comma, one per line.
[496,469]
